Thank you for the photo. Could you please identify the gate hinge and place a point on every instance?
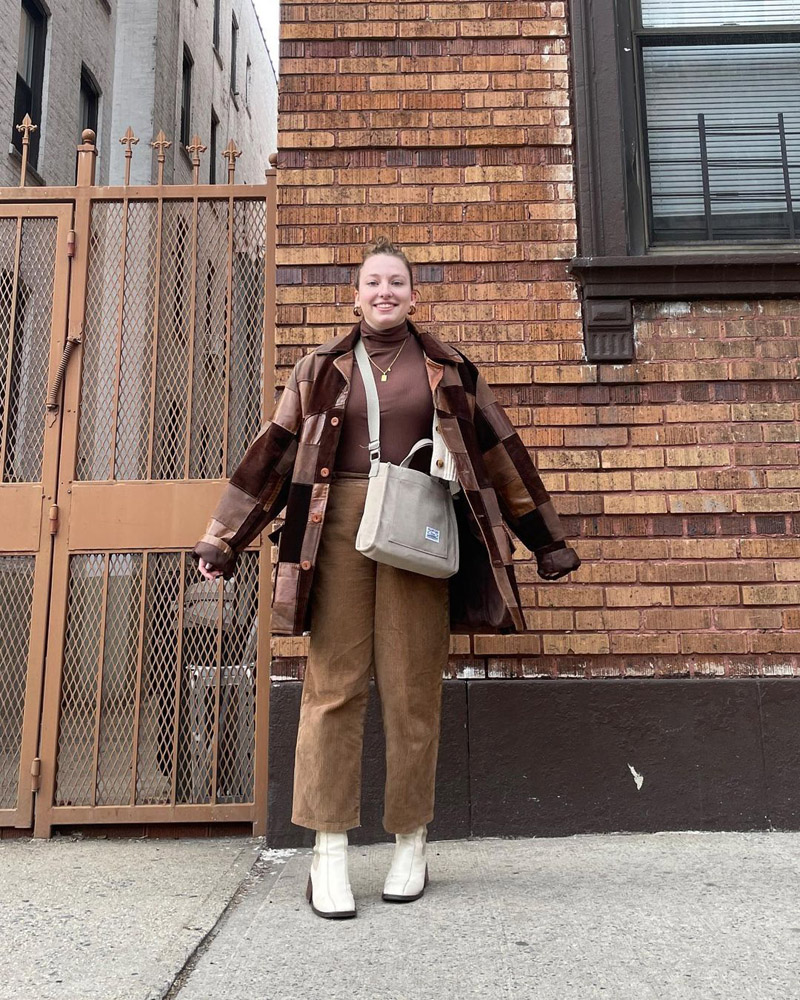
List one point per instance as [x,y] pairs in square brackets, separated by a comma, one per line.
[36,770]
[71,243]
[53,517]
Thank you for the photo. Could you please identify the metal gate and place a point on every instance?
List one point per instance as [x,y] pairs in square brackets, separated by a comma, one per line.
[129,687]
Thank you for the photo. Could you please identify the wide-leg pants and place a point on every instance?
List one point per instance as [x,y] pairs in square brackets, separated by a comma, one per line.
[368,617]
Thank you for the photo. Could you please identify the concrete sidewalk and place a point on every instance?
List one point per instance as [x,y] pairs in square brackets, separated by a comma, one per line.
[668,916]
[109,919]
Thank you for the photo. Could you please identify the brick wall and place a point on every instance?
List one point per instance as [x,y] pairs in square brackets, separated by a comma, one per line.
[446,126]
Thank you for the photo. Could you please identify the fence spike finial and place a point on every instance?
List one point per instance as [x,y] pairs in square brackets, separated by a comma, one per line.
[128,140]
[26,127]
[196,147]
[231,154]
[162,144]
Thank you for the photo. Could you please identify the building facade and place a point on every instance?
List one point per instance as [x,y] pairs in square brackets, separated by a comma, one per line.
[187,69]
[598,199]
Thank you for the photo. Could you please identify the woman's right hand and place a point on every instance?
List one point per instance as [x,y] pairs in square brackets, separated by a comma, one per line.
[208,571]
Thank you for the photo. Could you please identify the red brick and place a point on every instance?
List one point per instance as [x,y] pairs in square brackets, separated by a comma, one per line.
[639,642]
[771,642]
[637,597]
[582,643]
[604,619]
[565,596]
[741,570]
[672,572]
[710,595]
[787,569]
[713,642]
[677,620]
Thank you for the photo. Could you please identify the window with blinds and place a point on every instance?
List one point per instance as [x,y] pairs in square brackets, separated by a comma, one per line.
[720,108]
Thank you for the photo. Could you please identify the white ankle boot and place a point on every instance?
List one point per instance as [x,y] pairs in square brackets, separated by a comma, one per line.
[329,889]
[408,875]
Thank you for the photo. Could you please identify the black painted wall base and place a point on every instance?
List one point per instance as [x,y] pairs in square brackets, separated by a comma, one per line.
[553,758]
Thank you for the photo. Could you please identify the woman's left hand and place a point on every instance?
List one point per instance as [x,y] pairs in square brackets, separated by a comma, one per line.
[553,565]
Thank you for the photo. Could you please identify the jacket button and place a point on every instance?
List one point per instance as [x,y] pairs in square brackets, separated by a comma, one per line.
[439,463]
[305,564]
[334,421]
[324,473]
[316,518]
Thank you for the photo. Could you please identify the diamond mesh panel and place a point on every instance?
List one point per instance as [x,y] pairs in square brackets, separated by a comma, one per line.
[210,372]
[247,328]
[24,409]
[210,375]
[174,332]
[200,744]
[133,421]
[237,701]
[100,343]
[159,672]
[200,747]
[120,653]
[75,757]
[16,597]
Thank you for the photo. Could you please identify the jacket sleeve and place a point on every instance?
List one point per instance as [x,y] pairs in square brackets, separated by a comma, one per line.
[258,488]
[525,504]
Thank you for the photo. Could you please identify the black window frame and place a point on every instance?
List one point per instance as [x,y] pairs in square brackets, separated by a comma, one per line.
[234,54]
[187,72]
[28,99]
[216,25]
[90,87]
[615,265]
[212,149]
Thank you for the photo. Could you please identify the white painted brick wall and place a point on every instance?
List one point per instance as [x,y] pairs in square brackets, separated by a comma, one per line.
[141,87]
[78,31]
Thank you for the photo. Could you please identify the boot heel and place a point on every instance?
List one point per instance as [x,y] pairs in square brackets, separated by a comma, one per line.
[330,863]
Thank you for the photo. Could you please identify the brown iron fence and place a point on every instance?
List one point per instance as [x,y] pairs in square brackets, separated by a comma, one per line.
[136,336]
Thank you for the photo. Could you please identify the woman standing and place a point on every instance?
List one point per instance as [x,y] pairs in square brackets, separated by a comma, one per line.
[313,459]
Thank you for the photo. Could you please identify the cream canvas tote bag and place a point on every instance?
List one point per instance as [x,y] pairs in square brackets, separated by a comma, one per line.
[409,520]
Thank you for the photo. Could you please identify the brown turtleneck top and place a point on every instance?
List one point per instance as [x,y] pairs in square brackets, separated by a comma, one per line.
[405,399]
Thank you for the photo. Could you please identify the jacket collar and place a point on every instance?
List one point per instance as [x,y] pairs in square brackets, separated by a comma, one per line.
[433,348]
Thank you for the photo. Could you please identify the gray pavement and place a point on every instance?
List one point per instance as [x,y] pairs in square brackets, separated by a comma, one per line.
[109,919]
[672,916]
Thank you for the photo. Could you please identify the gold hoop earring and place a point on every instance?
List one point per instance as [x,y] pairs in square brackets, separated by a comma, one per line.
[412,309]
[356,310]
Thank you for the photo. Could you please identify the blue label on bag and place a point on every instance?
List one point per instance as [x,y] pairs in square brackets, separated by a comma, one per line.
[432,534]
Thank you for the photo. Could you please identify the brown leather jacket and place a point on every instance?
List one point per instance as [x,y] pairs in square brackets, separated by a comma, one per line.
[290,463]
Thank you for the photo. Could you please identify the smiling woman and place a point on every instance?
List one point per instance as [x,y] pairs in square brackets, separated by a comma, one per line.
[314,458]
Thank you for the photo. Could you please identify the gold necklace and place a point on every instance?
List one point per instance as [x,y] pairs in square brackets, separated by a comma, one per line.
[385,371]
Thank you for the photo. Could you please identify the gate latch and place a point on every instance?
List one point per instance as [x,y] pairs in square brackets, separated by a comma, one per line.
[36,770]
[53,517]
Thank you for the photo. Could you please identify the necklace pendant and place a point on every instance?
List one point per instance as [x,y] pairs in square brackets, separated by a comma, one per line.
[384,377]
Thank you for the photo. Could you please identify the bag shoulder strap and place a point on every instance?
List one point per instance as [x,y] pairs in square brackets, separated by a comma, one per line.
[374,413]
[373,407]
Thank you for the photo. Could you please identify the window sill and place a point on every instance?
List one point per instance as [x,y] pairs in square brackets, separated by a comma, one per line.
[690,274]
[609,284]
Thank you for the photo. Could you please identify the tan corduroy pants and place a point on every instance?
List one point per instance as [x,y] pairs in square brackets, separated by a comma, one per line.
[367,617]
